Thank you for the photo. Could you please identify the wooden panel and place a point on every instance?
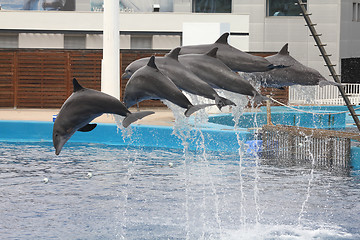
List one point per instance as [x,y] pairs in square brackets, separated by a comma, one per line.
[7,73]
[86,68]
[41,79]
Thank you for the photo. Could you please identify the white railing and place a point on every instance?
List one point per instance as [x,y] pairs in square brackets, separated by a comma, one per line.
[327,95]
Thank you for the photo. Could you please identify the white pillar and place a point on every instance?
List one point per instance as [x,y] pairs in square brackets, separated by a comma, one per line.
[110,67]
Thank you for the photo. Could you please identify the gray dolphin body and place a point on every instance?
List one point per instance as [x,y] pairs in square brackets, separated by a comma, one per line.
[295,74]
[81,108]
[234,58]
[218,75]
[149,83]
[182,77]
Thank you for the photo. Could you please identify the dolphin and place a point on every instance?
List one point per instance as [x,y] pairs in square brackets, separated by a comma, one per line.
[149,83]
[295,74]
[218,75]
[182,77]
[82,107]
[234,58]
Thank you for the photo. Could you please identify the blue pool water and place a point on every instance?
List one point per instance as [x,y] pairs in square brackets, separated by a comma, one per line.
[97,191]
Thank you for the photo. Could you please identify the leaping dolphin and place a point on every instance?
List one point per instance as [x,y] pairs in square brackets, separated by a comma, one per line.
[234,58]
[295,74]
[149,83]
[82,107]
[218,75]
[182,77]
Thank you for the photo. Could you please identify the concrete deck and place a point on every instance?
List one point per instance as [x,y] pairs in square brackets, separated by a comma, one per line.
[162,116]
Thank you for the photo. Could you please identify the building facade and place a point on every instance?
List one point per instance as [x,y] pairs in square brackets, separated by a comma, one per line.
[255,25]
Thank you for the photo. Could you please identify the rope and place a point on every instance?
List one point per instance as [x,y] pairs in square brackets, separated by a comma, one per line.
[299,110]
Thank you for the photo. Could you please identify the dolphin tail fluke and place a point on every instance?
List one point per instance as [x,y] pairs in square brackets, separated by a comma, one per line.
[272,66]
[194,108]
[222,102]
[132,117]
[326,82]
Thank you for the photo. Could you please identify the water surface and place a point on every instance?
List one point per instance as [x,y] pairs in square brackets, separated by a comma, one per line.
[97,191]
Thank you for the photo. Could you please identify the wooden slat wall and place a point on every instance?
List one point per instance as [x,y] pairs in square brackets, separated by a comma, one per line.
[35,78]
[85,67]
[41,79]
[7,79]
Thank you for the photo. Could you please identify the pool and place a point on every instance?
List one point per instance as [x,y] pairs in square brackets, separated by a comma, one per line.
[101,191]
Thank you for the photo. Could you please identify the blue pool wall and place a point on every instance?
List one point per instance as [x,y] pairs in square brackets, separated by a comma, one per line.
[218,134]
[216,138]
[286,116]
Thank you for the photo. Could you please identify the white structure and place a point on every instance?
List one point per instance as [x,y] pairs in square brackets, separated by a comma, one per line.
[110,67]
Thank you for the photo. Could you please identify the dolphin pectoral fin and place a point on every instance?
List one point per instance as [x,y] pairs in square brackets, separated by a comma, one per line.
[132,117]
[194,108]
[221,102]
[88,127]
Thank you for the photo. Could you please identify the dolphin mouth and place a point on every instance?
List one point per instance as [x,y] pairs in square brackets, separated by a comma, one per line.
[59,146]
[125,75]
[57,151]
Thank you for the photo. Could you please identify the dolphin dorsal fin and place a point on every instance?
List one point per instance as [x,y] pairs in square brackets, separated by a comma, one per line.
[212,52]
[77,86]
[284,50]
[151,62]
[174,54]
[223,39]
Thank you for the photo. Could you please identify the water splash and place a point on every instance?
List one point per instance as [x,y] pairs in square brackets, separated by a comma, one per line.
[240,101]
[126,132]
[256,170]
[311,178]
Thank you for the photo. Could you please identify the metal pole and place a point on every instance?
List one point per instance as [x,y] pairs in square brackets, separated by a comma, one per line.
[110,67]
[268,112]
[328,62]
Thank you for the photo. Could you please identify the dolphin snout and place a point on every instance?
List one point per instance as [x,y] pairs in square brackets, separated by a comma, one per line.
[57,151]
[126,75]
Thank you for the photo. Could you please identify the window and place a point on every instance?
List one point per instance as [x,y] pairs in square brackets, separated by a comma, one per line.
[211,6]
[141,42]
[350,70]
[354,12]
[9,40]
[74,41]
[284,7]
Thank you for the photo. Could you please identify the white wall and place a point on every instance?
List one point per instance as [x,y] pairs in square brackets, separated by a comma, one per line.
[41,40]
[132,22]
[166,42]
[257,12]
[94,41]
[349,31]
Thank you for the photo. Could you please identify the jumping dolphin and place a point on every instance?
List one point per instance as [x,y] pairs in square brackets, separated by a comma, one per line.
[295,74]
[234,58]
[149,83]
[182,77]
[218,75]
[82,107]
